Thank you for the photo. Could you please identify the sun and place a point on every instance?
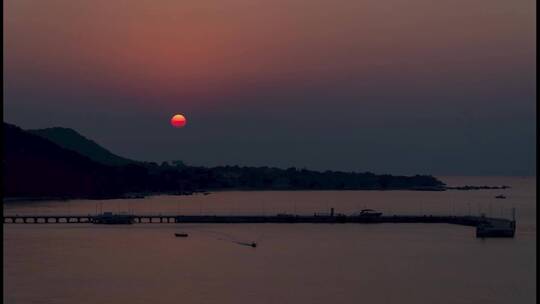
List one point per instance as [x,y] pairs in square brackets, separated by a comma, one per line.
[178,121]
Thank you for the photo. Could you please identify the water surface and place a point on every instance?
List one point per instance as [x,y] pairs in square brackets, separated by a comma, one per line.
[294,263]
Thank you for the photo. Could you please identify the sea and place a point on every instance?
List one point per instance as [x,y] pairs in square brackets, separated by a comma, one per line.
[293,263]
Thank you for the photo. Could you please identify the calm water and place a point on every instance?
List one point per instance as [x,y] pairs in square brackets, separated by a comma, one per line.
[294,263]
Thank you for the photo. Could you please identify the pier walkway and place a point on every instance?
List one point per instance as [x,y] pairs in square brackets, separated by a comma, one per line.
[485,226]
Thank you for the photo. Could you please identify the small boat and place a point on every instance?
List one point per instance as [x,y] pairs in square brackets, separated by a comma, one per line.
[500,196]
[134,195]
[181,235]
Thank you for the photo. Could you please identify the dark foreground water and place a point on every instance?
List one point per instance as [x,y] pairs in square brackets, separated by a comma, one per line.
[294,263]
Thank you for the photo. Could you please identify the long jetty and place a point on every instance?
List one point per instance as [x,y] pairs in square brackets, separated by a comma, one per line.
[485,226]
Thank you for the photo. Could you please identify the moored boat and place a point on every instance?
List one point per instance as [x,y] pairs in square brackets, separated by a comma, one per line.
[109,218]
[368,213]
[496,230]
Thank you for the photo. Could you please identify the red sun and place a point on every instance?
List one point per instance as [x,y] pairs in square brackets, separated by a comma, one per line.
[178,121]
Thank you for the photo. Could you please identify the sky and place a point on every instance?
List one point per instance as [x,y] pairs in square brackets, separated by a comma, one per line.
[398,86]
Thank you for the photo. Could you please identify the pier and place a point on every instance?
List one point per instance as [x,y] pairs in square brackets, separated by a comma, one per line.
[485,226]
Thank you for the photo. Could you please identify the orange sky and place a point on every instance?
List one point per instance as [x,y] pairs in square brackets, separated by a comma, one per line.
[191,47]
[286,62]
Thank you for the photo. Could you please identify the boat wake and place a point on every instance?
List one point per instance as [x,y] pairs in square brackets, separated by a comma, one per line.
[222,236]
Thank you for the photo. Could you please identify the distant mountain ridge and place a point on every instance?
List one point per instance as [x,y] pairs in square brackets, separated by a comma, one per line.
[72,166]
[72,140]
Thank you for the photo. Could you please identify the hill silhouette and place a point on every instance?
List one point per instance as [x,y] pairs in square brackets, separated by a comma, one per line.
[36,167]
[72,140]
